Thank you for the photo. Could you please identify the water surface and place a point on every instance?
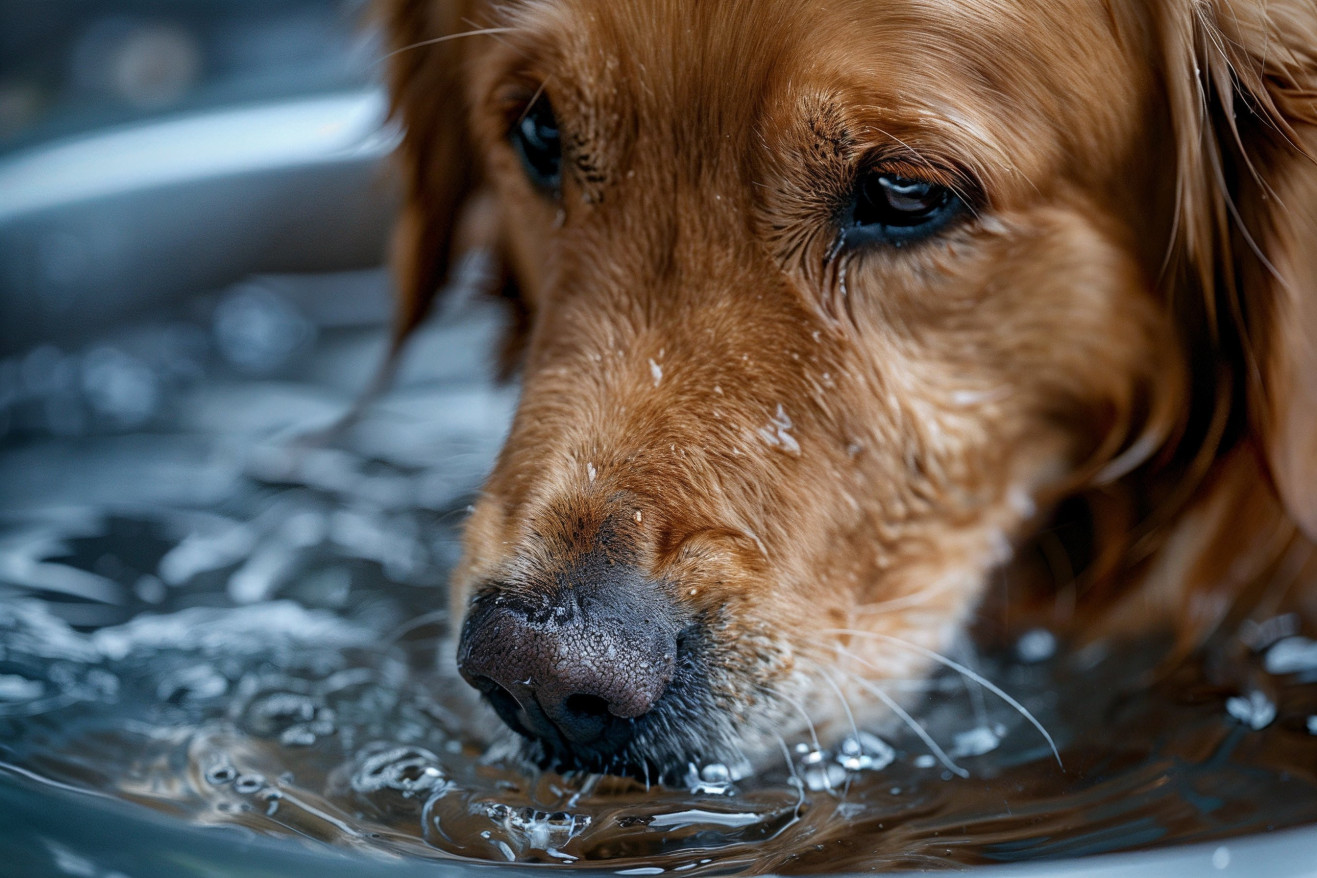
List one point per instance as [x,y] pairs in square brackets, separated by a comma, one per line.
[207,613]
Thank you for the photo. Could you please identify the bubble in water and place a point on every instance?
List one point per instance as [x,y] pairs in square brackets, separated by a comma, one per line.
[532,829]
[306,734]
[714,779]
[248,784]
[925,760]
[295,718]
[220,771]
[977,741]
[191,684]
[269,714]
[1254,710]
[823,776]
[864,752]
[272,799]
[408,770]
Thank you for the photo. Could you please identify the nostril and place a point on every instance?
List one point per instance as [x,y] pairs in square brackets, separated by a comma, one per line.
[586,705]
[586,719]
[497,695]
[521,714]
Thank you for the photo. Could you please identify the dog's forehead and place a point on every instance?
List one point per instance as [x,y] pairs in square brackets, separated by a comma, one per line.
[998,76]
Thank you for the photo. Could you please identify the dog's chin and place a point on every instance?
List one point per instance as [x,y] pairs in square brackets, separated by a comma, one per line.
[628,762]
[653,756]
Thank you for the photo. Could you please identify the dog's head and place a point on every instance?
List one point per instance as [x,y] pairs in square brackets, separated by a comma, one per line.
[824,306]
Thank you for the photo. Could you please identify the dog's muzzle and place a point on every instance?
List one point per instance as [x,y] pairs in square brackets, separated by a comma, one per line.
[574,666]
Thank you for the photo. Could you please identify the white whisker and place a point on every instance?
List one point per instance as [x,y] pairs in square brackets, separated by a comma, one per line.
[905,602]
[791,767]
[911,722]
[813,735]
[845,705]
[960,669]
[484,31]
[418,622]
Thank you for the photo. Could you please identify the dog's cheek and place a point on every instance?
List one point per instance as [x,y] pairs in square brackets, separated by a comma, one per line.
[1054,309]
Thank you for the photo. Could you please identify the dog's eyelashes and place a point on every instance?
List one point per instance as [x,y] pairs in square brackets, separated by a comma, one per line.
[895,210]
[536,139]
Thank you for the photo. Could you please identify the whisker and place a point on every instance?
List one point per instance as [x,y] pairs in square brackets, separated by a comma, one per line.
[791,767]
[813,735]
[960,669]
[903,602]
[484,31]
[539,90]
[911,722]
[845,705]
[417,622]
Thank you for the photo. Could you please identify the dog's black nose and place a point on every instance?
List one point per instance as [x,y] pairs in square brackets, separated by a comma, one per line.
[573,667]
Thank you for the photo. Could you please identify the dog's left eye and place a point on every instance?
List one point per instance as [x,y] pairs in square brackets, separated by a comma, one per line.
[536,139]
[892,209]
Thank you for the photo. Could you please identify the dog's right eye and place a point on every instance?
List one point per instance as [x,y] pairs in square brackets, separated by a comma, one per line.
[896,210]
[536,139]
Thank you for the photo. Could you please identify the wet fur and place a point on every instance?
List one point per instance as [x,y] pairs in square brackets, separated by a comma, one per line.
[794,443]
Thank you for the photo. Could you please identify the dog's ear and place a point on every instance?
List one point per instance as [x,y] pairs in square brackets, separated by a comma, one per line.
[1244,108]
[426,61]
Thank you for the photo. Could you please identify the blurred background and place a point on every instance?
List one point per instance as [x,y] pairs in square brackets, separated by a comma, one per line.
[69,66]
[185,186]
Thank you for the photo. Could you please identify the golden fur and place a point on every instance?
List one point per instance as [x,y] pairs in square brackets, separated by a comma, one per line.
[822,455]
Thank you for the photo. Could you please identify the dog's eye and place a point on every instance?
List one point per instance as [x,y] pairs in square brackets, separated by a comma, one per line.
[896,210]
[535,136]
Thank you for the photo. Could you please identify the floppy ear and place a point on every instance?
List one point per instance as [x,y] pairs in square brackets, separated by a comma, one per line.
[426,60]
[1246,121]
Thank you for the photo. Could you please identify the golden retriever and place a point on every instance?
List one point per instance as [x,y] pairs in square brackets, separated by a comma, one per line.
[826,311]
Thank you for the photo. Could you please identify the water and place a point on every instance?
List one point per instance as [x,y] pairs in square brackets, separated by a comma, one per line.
[205,613]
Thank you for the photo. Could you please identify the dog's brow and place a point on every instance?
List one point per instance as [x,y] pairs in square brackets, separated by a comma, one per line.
[829,129]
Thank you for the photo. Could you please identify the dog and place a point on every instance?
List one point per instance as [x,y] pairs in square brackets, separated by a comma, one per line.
[826,313]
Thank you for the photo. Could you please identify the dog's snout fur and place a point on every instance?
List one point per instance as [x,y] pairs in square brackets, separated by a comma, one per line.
[576,663]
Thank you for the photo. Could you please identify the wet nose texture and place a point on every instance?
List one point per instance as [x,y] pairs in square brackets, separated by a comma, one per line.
[573,666]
